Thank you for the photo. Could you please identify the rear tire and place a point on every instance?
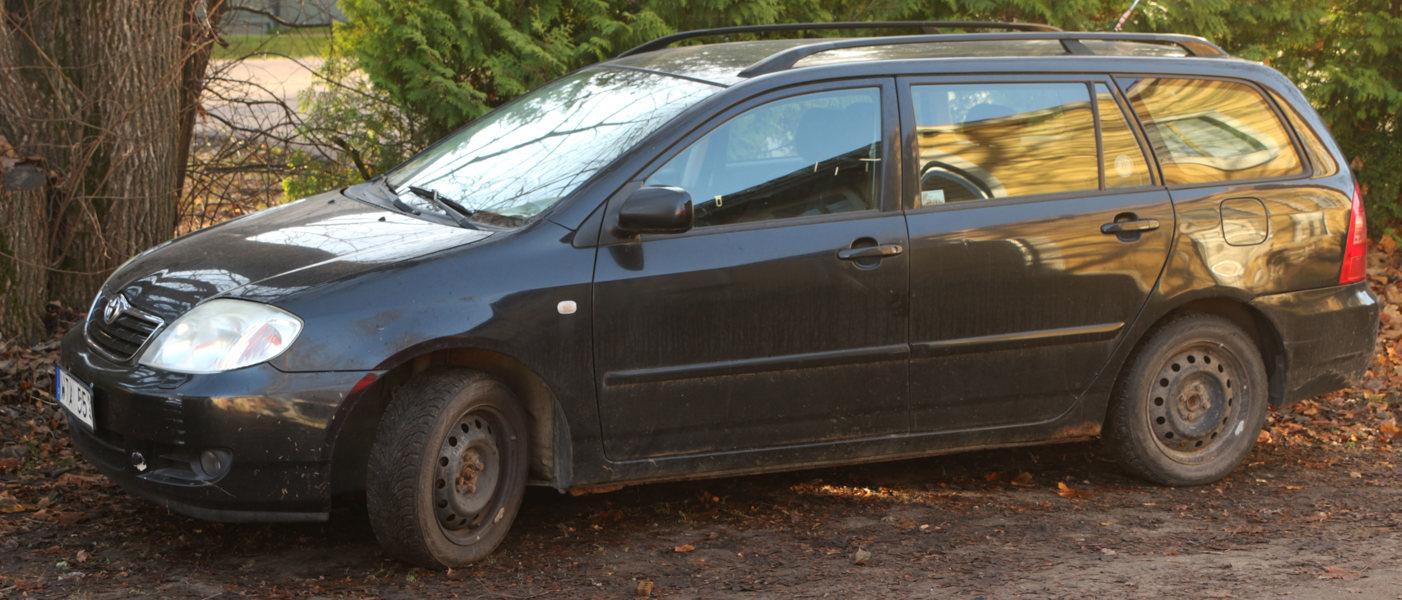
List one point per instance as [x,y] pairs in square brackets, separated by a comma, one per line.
[447,469]
[1188,407]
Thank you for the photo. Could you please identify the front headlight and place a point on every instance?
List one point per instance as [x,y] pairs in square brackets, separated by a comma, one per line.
[222,335]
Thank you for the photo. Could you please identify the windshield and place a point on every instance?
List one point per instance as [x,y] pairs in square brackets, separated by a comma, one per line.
[523,158]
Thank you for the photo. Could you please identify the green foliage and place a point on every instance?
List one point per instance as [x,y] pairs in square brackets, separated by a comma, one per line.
[315,174]
[1347,64]
[1067,14]
[295,43]
[445,62]
[359,131]
[449,61]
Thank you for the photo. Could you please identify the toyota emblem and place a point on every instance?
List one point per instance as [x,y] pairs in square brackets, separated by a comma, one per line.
[115,307]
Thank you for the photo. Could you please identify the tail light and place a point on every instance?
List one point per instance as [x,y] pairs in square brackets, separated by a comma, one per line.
[1356,245]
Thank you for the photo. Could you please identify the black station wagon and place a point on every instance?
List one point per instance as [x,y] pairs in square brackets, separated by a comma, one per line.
[716,259]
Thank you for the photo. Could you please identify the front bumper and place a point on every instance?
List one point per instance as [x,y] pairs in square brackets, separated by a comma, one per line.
[277,431]
[1329,336]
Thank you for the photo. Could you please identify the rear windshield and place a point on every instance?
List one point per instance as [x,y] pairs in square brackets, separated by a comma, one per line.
[521,159]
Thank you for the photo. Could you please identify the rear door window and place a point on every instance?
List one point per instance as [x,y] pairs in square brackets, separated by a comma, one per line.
[1125,166]
[979,141]
[1207,131]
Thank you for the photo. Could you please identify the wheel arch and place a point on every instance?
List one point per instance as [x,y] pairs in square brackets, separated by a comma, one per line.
[1249,319]
[549,432]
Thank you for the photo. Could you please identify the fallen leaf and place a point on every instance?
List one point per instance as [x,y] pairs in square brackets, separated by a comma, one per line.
[1343,573]
[606,517]
[82,481]
[14,507]
[684,548]
[1066,491]
[1387,244]
[67,518]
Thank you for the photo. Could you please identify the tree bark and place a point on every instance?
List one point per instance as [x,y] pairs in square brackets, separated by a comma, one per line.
[197,36]
[128,193]
[22,259]
[100,93]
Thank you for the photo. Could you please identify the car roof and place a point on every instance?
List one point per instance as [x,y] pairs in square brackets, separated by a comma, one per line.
[730,63]
[713,63]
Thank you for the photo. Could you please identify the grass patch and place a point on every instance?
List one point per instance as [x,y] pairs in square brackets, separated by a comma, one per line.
[296,43]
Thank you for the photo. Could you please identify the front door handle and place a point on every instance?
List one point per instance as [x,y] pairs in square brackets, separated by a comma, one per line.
[881,251]
[1135,226]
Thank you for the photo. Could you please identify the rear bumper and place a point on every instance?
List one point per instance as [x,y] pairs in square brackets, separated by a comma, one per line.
[275,433]
[1329,336]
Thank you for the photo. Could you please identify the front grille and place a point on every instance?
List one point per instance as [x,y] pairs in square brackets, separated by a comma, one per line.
[124,335]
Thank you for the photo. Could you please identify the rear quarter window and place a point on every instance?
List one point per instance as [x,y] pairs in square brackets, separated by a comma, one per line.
[1323,162]
[1206,131]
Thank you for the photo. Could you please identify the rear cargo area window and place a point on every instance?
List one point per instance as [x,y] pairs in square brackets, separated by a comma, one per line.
[1205,131]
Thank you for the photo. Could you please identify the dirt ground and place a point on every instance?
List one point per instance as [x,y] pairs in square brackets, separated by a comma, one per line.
[1305,518]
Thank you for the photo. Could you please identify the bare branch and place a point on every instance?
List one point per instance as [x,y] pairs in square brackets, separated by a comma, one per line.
[279,20]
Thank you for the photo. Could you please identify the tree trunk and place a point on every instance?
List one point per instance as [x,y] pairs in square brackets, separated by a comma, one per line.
[98,93]
[199,24]
[22,259]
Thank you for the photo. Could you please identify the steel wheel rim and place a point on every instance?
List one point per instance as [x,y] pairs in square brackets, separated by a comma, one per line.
[1195,402]
[467,475]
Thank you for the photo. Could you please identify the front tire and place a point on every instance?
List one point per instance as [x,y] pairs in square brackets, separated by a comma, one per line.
[447,470]
[1189,406]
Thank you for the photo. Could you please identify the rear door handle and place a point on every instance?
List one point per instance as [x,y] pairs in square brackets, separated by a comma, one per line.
[1135,226]
[881,251]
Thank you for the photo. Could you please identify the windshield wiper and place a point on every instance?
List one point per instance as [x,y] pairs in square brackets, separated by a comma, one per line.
[457,212]
[490,218]
[380,187]
[402,205]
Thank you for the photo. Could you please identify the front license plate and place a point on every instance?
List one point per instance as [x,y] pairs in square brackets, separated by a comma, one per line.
[75,396]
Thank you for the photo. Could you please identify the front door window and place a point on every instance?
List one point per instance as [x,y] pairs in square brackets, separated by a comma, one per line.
[809,155]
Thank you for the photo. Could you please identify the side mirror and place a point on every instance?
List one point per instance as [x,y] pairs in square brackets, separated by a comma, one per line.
[660,209]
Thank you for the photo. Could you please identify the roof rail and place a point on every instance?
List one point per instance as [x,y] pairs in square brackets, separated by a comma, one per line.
[936,26]
[1070,40]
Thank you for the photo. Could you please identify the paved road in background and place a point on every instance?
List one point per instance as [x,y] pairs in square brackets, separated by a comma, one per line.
[252,93]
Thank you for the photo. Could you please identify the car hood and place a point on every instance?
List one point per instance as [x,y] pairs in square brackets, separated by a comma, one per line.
[273,253]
